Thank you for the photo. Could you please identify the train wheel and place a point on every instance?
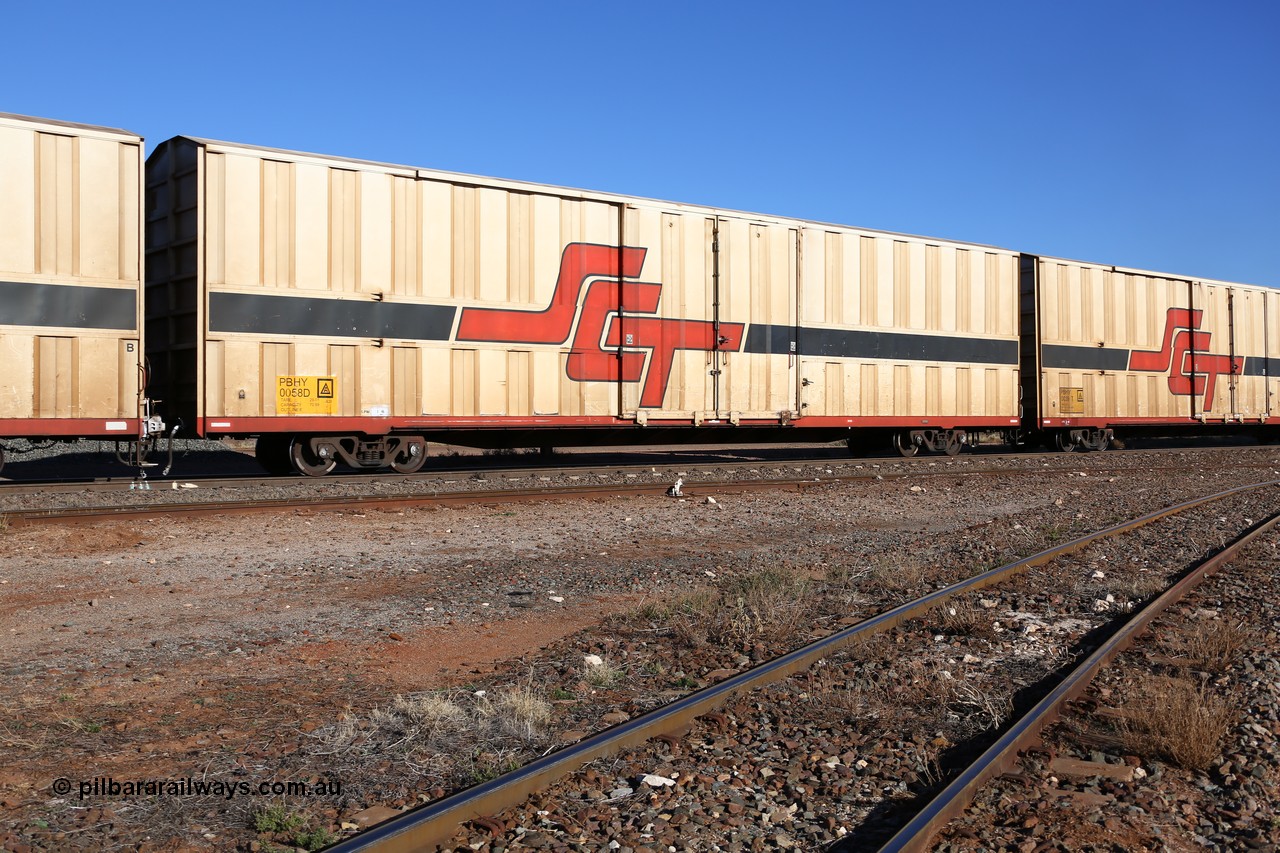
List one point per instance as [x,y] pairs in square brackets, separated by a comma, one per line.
[272,453]
[305,461]
[904,445]
[411,456]
[1065,442]
[954,443]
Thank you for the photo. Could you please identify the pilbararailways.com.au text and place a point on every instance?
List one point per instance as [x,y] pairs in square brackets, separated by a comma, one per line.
[106,786]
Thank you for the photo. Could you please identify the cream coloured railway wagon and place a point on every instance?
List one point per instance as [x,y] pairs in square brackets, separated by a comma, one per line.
[342,309]
[70,280]
[1128,350]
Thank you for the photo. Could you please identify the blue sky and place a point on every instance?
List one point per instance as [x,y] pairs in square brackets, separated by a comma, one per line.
[1142,134]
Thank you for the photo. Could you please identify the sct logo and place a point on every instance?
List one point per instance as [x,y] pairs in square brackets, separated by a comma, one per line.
[617,327]
[1185,357]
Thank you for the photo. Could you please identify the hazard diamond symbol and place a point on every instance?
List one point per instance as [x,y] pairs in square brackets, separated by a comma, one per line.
[324,388]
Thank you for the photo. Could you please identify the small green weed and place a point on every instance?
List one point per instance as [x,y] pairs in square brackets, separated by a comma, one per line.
[314,839]
[277,818]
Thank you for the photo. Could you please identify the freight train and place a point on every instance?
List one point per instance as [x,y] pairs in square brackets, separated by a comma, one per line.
[346,311]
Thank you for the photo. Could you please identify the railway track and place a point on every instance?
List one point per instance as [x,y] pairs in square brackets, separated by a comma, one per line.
[445,469]
[437,823]
[470,485]
[1025,733]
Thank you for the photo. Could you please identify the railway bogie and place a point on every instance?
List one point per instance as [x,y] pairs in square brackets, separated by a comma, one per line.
[948,441]
[316,456]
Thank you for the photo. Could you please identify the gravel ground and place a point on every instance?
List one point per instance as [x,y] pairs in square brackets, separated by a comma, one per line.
[1204,781]
[273,648]
[846,752]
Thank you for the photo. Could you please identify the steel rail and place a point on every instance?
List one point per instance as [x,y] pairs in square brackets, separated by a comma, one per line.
[85,515]
[432,824]
[564,468]
[625,461]
[918,834]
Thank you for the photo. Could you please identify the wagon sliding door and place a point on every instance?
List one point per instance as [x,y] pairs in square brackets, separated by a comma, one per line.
[705,281]
[1269,364]
[1220,332]
[754,303]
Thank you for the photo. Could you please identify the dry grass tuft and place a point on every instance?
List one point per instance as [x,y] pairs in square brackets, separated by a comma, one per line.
[1176,720]
[603,674]
[436,713]
[897,576]
[449,738]
[861,702]
[1212,646]
[847,584]
[963,618]
[688,620]
[520,713]
[983,708]
[771,602]
[1142,585]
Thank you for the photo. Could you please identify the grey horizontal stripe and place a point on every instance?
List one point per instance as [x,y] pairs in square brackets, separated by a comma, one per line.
[303,315]
[1083,358]
[68,305]
[896,346]
[1257,365]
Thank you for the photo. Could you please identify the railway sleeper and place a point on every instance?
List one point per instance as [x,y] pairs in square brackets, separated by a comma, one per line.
[317,455]
[948,441]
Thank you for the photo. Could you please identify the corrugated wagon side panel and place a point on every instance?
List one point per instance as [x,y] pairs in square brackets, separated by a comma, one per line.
[107,210]
[1230,343]
[919,316]
[1116,345]
[680,258]
[17,388]
[309,241]
[296,256]
[70,277]
[1269,364]
[1212,348]
[514,258]
[344,366]
[345,213]
[377,223]
[1250,346]
[236,203]
[18,246]
[760,290]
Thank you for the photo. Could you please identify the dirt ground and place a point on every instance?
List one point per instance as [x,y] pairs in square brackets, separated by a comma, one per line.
[213,647]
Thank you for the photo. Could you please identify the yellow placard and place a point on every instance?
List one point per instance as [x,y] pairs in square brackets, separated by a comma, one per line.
[1070,401]
[306,395]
